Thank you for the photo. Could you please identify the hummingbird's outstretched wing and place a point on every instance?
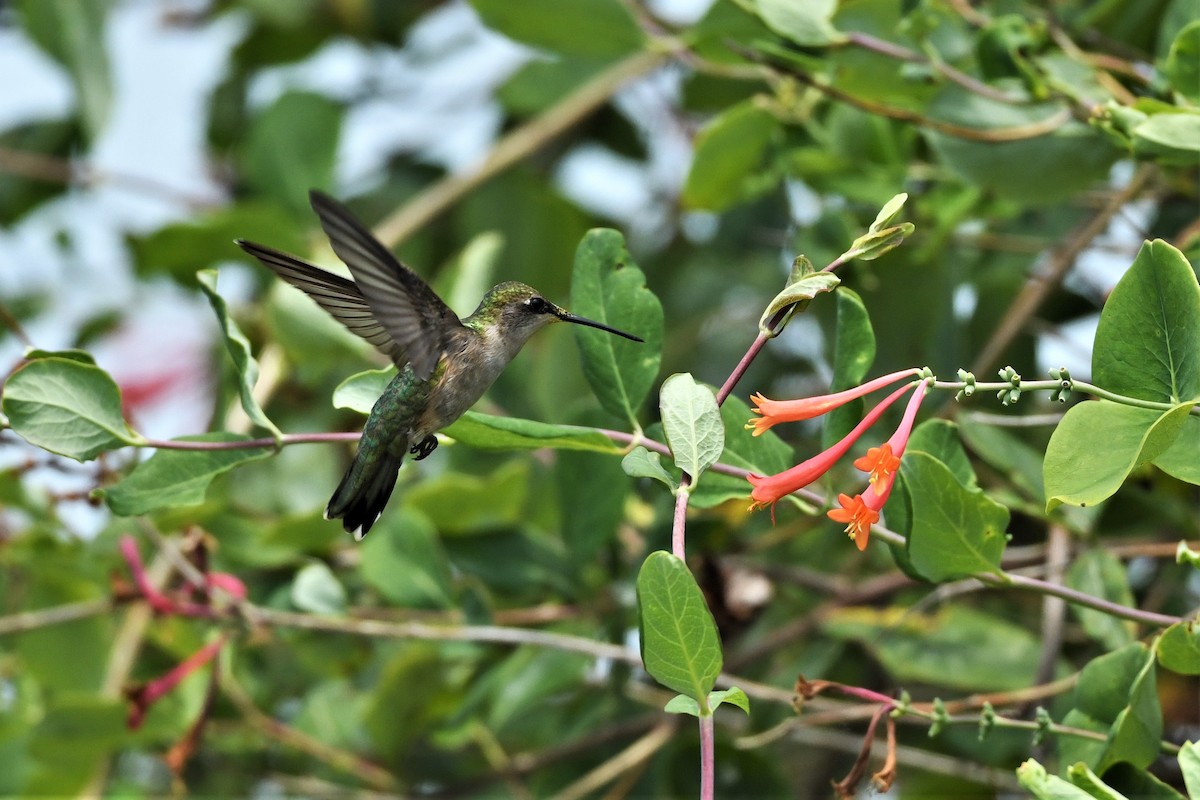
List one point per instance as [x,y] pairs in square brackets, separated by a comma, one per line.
[403,304]
[340,297]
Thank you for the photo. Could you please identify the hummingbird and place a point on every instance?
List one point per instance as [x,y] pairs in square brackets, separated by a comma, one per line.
[445,363]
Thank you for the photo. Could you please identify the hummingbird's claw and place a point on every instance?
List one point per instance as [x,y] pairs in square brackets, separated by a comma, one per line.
[424,447]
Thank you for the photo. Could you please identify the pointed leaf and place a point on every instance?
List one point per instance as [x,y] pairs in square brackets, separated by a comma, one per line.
[798,293]
[1148,340]
[67,406]
[956,531]
[642,463]
[680,646]
[1082,469]
[489,432]
[608,287]
[239,350]
[733,695]
[692,424]
[171,478]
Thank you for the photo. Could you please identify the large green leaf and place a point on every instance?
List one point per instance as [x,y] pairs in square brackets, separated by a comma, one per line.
[1183,62]
[489,432]
[172,478]
[1178,648]
[1179,460]
[1148,341]
[1116,695]
[68,407]
[239,349]
[72,33]
[731,164]
[1082,469]
[608,287]
[807,23]
[955,531]
[290,148]
[680,646]
[853,354]
[692,424]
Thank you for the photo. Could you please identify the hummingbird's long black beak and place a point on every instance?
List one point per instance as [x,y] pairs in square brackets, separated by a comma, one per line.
[568,317]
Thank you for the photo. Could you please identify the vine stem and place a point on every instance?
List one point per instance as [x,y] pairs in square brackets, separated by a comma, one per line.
[707,759]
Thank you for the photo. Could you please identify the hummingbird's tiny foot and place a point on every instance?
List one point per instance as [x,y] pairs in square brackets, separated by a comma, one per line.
[423,448]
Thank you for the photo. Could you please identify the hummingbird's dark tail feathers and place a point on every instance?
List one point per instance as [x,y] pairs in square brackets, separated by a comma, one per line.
[363,493]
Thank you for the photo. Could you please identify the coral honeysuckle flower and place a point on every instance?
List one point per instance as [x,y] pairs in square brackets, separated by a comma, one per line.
[769,489]
[773,412]
[860,512]
[857,516]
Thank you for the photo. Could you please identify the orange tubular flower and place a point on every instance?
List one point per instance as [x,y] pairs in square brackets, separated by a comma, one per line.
[860,512]
[857,516]
[769,489]
[773,412]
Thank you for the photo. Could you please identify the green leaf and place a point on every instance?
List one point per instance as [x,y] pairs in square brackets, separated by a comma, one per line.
[1178,648]
[807,23]
[957,647]
[1006,453]
[692,424]
[642,463]
[730,164]
[68,407]
[172,478]
[1099,573]
[1082,470]
[72,33]
[591,489]
[239,350]
[940,439]
[1189,765]
[732,695]
[956,531]
[462,504]
[1183,62]
[1044,786]
[682,704]
[1116,694]
[1148,340]
[608,287]
[361,390]
[1179,460]
[679,642]
[489,432]
[290,148]
[404,561]
[803,285]
[317,590]
[609,31]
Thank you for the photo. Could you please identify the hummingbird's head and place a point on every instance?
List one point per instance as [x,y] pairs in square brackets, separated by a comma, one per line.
[517,311]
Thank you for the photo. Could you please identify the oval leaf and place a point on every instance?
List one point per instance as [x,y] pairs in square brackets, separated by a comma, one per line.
[608,287]
[956,531]
[1148,340]
[641,463]
[1082,469]
[692,424]
[316,589]
[68,407]
[171,478]
[1178,649]
[680,646]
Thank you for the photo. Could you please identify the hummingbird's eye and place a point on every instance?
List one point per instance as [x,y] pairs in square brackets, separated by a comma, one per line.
[537,305]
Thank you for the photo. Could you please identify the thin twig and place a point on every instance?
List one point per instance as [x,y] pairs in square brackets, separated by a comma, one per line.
[53,615]
[633,755]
